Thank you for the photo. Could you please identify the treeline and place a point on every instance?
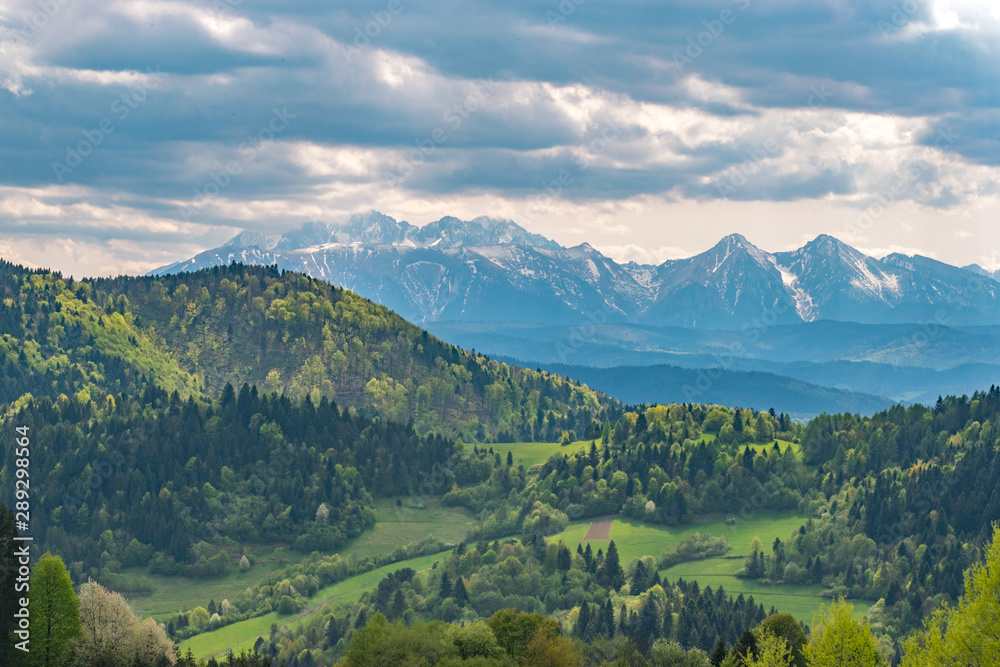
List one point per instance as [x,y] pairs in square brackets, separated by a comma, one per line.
[288,591]
[282,332]
[178,485]
[288,333]
[661,464]
[98,628]
[591,597]
[910,498]
[963,633]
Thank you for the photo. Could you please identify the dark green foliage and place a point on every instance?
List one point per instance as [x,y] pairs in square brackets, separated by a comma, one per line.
[191,478]
[611,573]
[786,627]
[283,332]
[8,575]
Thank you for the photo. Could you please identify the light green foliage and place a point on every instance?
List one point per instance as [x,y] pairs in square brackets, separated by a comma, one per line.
[199,618]
[785,627]
[515,631]
[543,520]
[304,337]
[383,644]
[475,641]
[839,640]
[671,654]
[54,612]
[969,632]
[773,651]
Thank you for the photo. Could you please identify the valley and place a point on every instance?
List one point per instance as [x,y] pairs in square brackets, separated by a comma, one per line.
[267,496]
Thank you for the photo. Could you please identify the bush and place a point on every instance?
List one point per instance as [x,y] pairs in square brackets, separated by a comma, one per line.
[286,605]
[695,547]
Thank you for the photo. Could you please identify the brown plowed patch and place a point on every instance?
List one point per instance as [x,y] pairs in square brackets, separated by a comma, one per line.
[599,530]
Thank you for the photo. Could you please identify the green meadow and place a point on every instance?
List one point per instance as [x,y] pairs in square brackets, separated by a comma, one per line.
[635,539]
[172,594]
[242,635]
[534,453]
[530,454]
[418,519]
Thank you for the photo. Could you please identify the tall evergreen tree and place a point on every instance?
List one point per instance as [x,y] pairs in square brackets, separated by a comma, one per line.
[611,571]
[582,621]
[460,592]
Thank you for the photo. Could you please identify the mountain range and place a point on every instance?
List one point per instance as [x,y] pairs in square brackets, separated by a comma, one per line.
[489,270]
[823,317]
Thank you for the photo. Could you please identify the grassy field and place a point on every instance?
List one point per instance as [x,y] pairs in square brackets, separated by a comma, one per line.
[800,601]
[634,539]
[393,528]
[241,636]
[534,453]
[757,447]
[784,444]
[172,594]
[396,527]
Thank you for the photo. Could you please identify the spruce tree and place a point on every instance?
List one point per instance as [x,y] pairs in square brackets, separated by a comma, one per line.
[445,589]
[582,621]
[460,592]
[611,570]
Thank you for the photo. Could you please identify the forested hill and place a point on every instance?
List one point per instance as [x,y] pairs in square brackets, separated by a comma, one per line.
[283,332]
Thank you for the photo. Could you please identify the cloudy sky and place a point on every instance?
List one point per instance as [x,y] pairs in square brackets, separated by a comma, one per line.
[133,134]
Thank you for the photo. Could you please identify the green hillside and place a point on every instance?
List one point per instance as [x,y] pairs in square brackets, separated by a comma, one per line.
[285,333]
[287,445]
[288,333]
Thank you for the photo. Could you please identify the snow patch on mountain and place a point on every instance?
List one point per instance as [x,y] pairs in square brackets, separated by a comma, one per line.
[804,305]
[875,285]
[489,270]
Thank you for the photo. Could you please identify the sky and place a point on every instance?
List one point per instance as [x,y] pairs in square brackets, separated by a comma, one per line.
[134,134]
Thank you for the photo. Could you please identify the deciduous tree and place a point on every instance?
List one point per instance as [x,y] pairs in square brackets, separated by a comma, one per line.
[54,611]
[840,640]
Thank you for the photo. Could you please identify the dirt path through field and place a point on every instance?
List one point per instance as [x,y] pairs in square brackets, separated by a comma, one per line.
[599,530]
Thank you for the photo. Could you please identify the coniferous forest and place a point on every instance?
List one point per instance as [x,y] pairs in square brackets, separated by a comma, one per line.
[171,428]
